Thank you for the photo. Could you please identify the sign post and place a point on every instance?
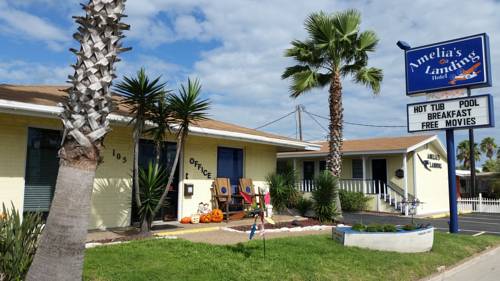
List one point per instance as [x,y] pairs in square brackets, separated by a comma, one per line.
[454,64]
[452,182]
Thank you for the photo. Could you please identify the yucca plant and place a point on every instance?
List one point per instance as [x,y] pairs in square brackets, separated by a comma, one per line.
[278,191]
[18,242]
[323,195]
[61,249]
[152,182]
[139,95]
[186,108]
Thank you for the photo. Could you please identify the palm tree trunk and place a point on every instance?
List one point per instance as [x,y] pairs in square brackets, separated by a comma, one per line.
[61,246]
[180,142]
[62,243]
[335,138]
[138,129]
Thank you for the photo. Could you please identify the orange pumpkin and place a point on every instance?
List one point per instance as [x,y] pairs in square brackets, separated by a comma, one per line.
[186,220]
[217,215]
[205,218]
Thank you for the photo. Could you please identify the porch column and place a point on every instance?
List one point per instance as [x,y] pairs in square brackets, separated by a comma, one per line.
[364,174]
[405,181]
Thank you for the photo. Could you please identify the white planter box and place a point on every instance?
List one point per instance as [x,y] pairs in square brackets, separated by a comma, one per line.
[415,241]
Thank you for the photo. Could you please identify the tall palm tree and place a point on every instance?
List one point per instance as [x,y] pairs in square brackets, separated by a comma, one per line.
[185,109]
[463,153]
[335,49]
[140,94]
[62,243]
[488,147]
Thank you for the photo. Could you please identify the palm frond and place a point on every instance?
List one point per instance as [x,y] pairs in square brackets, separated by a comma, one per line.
[347,24]
[139,93]
[367,41]
[320,28]
[188,106]
[370,77]
[305,81]
[289,71]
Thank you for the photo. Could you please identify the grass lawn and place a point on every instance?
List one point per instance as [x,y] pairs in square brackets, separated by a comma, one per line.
[314,257]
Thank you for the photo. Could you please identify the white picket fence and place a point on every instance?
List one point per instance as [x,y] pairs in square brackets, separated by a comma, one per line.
[479,205]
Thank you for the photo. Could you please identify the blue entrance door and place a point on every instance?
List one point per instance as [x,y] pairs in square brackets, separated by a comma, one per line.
[230,165]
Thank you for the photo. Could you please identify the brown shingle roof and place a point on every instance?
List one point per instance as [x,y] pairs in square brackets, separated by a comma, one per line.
[52,95]
[366,145]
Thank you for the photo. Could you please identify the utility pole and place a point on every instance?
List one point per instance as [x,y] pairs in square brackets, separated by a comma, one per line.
[472,157]
[299,121]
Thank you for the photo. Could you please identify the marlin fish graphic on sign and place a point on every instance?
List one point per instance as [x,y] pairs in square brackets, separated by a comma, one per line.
[466,74]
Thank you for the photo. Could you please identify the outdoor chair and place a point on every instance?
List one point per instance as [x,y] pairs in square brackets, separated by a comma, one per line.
[247,188]
[223,199]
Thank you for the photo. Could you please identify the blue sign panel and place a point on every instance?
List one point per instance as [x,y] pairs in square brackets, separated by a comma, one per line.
[459,63]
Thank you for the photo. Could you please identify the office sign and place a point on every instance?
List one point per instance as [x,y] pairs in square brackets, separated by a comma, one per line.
[458,63]
[460,113]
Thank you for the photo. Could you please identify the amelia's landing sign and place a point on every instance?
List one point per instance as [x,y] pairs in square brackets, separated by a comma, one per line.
[469,112]
[458,63]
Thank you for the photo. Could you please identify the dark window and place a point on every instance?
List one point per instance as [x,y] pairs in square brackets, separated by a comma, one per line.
[322,165]
[357,168]
[230,165]
[42,166]
[308,167]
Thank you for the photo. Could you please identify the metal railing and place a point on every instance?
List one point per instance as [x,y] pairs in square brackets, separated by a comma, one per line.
[390,193]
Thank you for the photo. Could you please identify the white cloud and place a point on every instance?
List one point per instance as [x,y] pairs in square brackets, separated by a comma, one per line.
[23,72]
[21,24]
[243,74]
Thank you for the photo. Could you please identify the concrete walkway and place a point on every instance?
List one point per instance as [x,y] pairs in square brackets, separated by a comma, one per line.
[175,228]
[484,267]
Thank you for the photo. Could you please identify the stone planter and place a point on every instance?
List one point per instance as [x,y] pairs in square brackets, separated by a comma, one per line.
[415,241]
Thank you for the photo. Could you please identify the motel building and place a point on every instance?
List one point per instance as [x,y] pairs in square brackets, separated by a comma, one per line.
[30,135]
[385,169]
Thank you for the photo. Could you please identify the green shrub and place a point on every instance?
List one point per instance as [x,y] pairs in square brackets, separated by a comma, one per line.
[359,227]
[409,227]
[282,189]
[18,242]
[390,228]
[152,183]
[326,186]
[374,227]
[353,201]
[304,205]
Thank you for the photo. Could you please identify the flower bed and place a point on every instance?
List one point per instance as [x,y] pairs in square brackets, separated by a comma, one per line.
[395,239]
[290,224]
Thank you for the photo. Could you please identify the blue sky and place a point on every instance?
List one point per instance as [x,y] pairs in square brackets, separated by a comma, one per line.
[236,49]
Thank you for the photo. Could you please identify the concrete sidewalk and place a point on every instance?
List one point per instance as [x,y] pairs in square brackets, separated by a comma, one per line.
[484,267]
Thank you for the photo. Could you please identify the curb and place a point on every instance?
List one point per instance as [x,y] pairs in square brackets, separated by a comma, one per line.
[187,231]
[440,276]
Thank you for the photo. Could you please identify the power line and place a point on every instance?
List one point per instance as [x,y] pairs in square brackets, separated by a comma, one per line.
[274,121]
[360,124]
[314,119]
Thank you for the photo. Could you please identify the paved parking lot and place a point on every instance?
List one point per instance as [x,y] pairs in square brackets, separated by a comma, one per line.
[471,223]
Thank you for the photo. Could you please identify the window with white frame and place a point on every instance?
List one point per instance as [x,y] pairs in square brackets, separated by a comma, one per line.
[357,168]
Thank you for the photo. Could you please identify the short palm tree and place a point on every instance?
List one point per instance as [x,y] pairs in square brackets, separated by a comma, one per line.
[139,95]
[488,147]
[463,153]
[185,108]
[335,49]
[62,243]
